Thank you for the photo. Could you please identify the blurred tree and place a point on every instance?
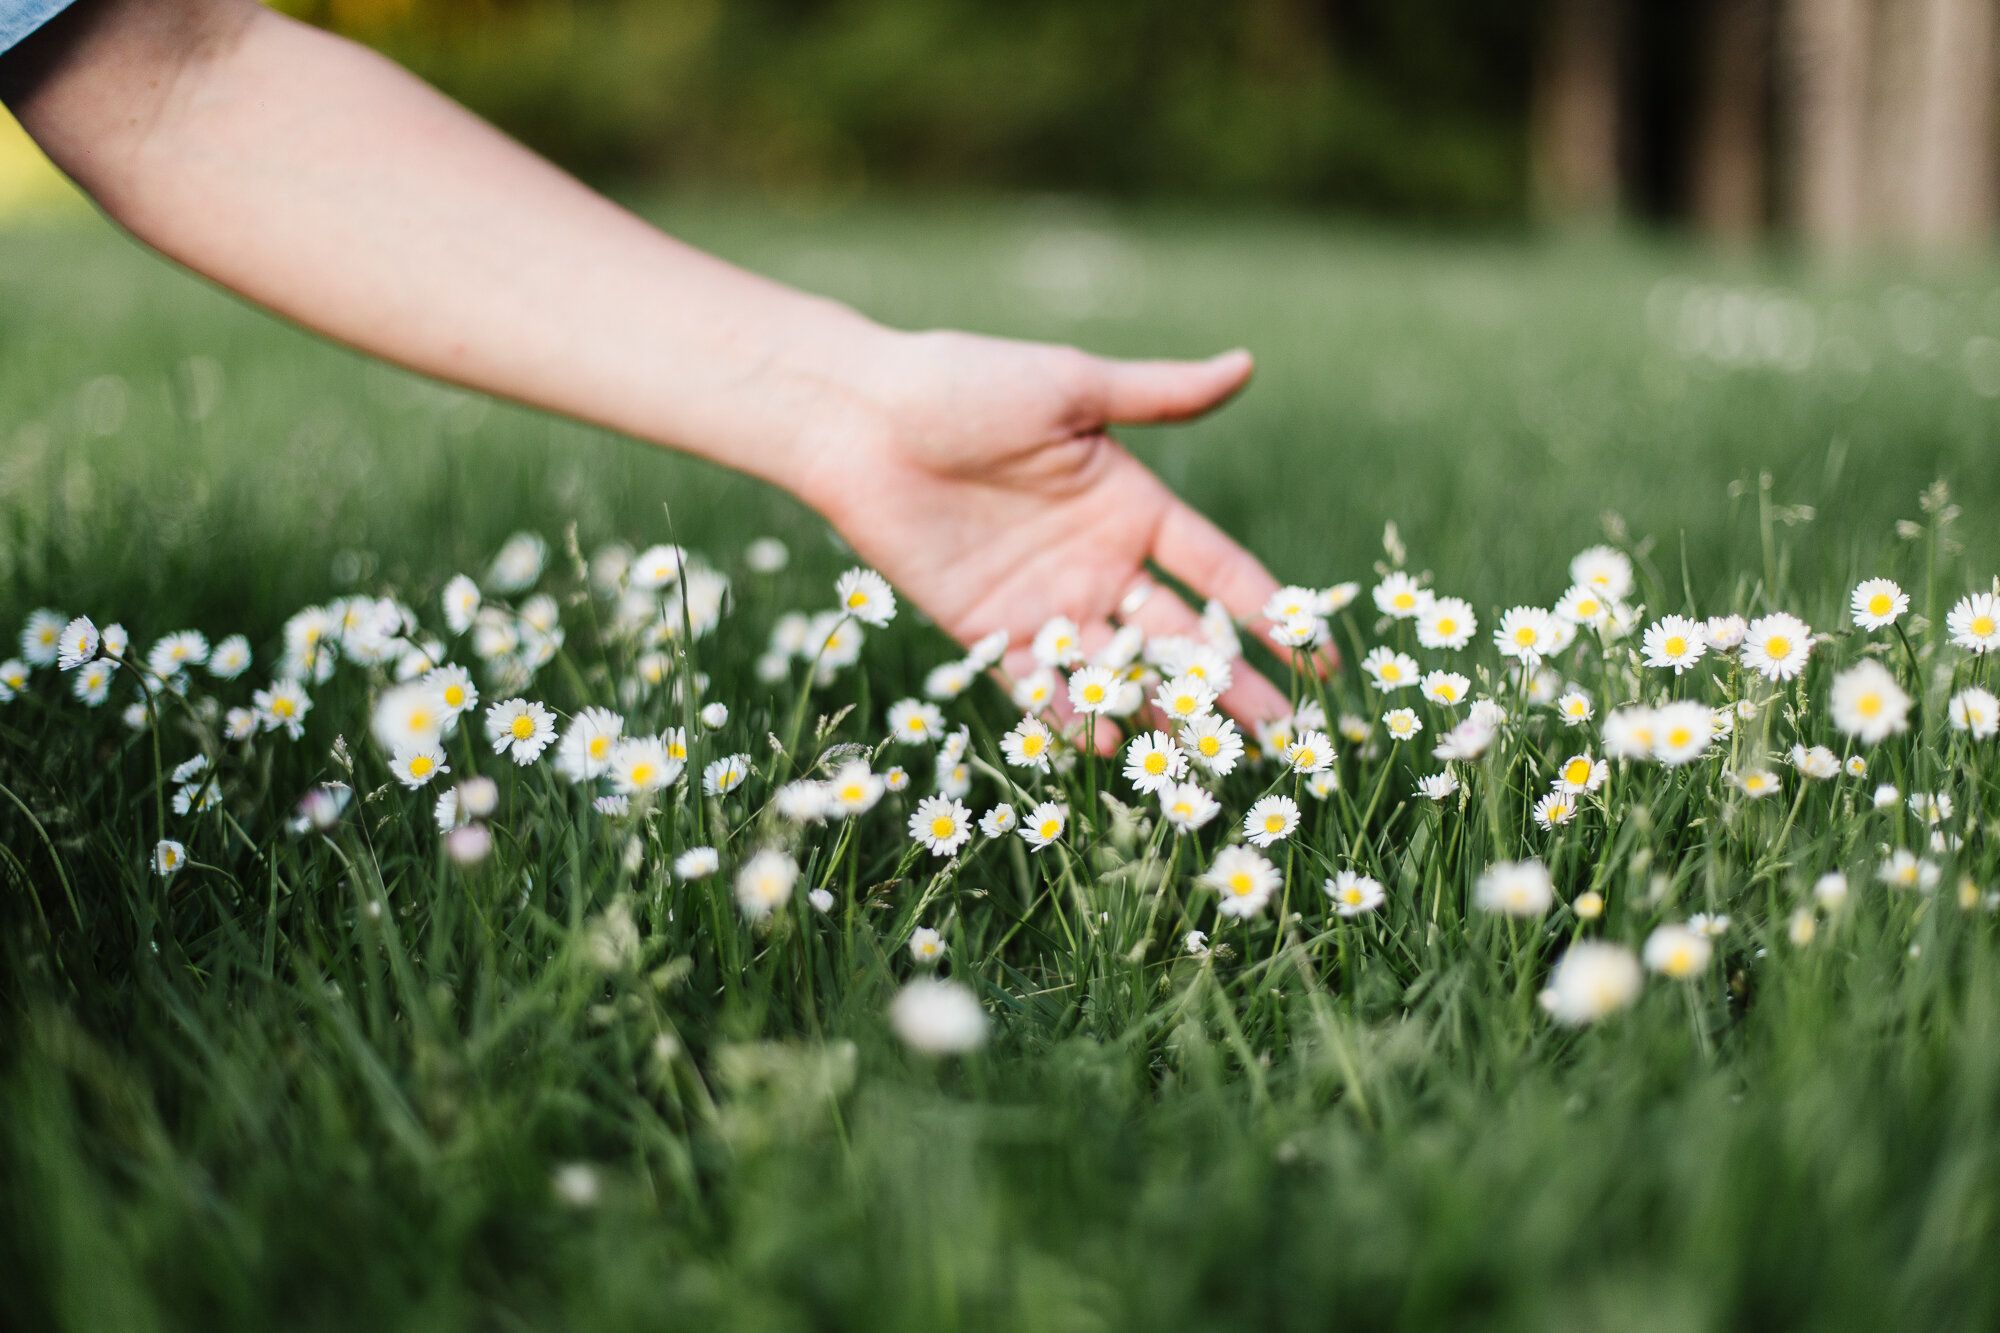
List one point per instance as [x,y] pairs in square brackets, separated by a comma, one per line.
[1934,179]
[1827,76]
[1730,130]
[1575,123]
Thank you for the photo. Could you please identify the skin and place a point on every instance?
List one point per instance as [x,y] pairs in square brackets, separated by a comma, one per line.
[330,186]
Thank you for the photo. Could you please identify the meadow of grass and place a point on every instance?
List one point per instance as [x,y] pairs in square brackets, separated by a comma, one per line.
[334,1079]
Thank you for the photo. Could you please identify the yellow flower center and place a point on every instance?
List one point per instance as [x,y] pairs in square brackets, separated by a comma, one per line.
[454,695]
[1031,744]
[1351,896]
[420,765]
[1587,608]
[281,707]
[1390,671]
[1303,757]
[1982,625]
[524,727]
[1675,645]
[1525,636]
[943,827]
[642,775]
[1198,672]
[1274,823]
[600,746]
[1241,884]
[857,599]
[1093,693]
[1184,704]
[1879,604]
[677,751]
[1156,764]
[1447,693]
[1577,771]
[1777,647]
[1404,600]
[1050,828]
[1447,625]
[1868,705]
[1679,736]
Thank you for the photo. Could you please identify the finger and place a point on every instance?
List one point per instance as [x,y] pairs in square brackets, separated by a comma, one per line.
[1250,698]
[1145,391]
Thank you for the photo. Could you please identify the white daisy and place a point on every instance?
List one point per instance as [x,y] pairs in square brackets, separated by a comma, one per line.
[941,824]
[1777,645]
[1682,731]
[1185,698]
[239,724]
[1391,670]
[285,704]
[1028,745]
[1291,600]
[1975,711]
[1817,763]
[1035,691]
[1058,643]
[1447,622]
[895,779]
[1555,810]
[518,563]
[1516,888]
[1677,951]
[1932,807]
[1526,633]
[415,765]
[78,643]
[1584,604]
[1270,820]
[93,682]
[230,659]
[1337,598]
[865,595]
[640,765]
[1323,784]
[725,775]
[1674,641]
[1592,981]
[915,722]
[461,603]
[987,651]
[1856,766]
[1300,631]
[926,946]
[1975,622]
[1574,707]
[454,689]
[1868,704]
[1709,925]
[1438,786]
[1629,733]
[1091,689]
[949,680]
[1878,603]
[41,637]
[1581,774]
[1400,596]
[954,780]
[938,1017]
[765,882]
[1756,783]
[1188,807]
[1605,568]
[1446,688]
[1830,890]
[1402,723]
[697,863]
[1354,894]
[1245,880]
[1309,753]
[1153,762]
[854,789]
[1043,825]
[1213,742]
[1904,871]
[821,900]
[168,857]
[1466,741]
[999,821]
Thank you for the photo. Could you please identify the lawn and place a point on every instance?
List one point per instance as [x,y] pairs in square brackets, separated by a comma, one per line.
[333,1078]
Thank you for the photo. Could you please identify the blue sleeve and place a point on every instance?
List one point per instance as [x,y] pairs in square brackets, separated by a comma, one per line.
[18,18]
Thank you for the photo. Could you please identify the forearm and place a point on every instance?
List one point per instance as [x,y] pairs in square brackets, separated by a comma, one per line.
[316,179]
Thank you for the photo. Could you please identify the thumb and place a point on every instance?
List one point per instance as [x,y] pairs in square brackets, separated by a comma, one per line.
[1143,391]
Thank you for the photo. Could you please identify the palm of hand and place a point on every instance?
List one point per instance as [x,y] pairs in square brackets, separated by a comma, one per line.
[984,486]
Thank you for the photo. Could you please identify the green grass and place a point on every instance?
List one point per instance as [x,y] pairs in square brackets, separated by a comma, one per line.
[237,1099]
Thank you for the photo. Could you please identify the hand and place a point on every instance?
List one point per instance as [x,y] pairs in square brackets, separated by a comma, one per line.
[977,475]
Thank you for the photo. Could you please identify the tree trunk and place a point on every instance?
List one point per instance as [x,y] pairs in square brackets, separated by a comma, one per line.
[1574,123]
[1729,161]
[1935,178]
[1826,45]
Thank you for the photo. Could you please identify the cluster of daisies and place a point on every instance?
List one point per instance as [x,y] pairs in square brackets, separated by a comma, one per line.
[1587,689]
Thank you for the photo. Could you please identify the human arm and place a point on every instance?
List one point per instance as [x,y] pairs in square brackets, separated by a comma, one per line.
[334,188]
